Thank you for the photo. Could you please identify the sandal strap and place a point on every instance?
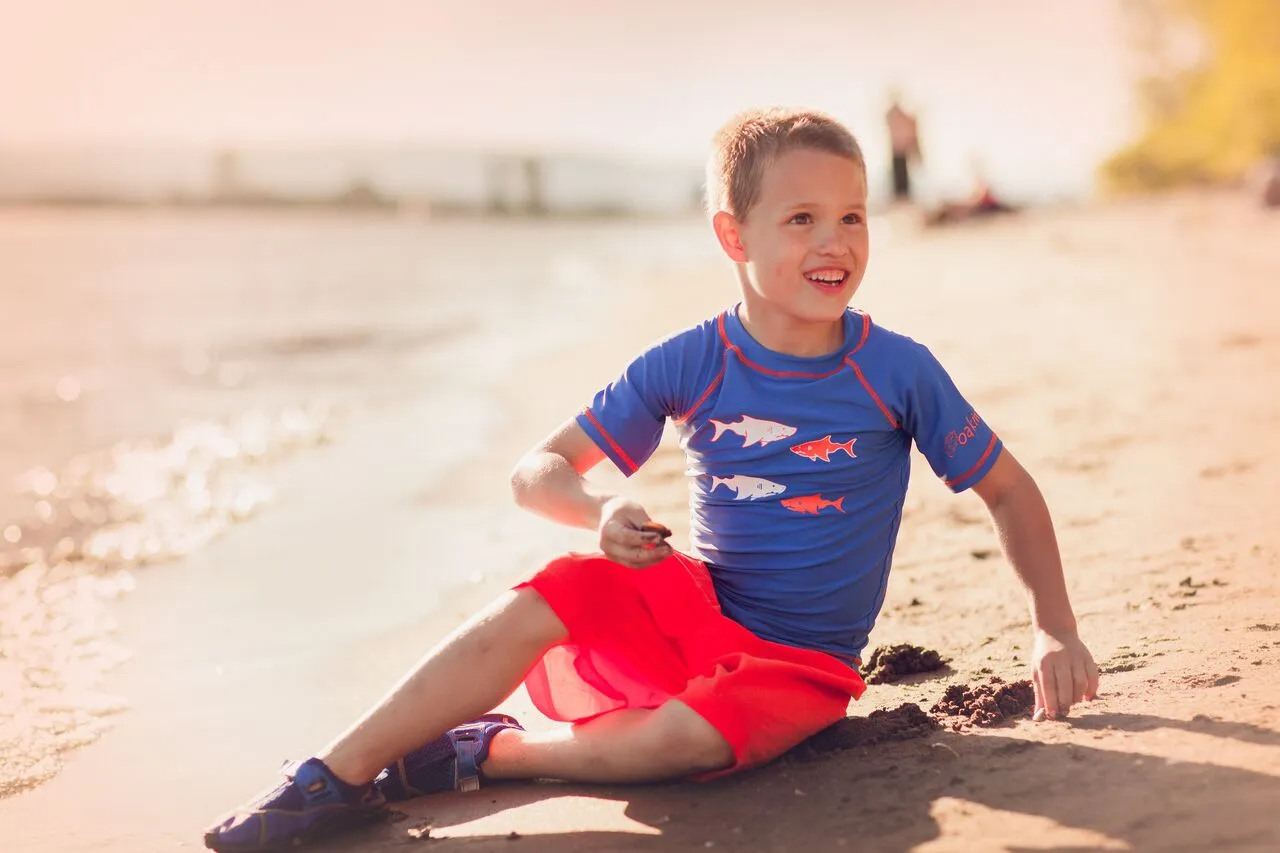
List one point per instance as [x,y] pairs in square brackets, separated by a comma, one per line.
[468,739]
[466,770]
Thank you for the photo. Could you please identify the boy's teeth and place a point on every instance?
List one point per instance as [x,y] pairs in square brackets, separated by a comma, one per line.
[829,278]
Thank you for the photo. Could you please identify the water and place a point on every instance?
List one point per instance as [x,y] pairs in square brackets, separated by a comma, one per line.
[156,365]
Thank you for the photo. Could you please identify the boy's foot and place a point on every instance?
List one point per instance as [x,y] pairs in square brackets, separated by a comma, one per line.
[451,762]
[311,801]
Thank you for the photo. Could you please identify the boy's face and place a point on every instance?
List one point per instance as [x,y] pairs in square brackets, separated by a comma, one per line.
[804,244]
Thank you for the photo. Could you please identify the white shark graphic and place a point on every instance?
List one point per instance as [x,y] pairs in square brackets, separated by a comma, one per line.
[748,488]
[754,430]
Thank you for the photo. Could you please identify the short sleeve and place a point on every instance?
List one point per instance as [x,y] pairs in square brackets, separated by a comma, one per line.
[626,417]
[951,435]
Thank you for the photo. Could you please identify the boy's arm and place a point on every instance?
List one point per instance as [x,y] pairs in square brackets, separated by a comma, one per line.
[548,480]
[1063,671]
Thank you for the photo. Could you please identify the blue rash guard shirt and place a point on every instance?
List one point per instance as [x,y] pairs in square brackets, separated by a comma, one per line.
[797,467]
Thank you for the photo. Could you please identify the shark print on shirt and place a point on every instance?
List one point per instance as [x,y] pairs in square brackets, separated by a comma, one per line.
[823,448]
[812,504]
[753,430]
[748,488]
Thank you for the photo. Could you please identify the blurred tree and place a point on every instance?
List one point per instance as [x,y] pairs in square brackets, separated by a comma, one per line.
[1212,94]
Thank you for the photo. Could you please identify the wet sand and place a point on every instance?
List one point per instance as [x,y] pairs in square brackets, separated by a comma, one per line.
[1127,354]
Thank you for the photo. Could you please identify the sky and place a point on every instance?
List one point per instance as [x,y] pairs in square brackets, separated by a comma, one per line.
[1035,92]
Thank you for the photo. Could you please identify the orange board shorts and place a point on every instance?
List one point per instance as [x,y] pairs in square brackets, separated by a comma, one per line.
[638,638]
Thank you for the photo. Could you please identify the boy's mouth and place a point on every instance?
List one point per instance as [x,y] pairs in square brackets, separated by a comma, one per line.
[827,279]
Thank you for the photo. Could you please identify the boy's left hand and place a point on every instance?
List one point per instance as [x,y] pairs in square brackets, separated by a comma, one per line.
[1063,673]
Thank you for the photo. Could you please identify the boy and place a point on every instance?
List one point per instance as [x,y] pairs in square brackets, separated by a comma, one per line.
[796,416]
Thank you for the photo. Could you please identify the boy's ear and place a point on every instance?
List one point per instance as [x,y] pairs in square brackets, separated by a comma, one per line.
[729,233]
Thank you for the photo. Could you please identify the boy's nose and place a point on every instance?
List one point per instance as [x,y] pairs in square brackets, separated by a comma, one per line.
[829,242]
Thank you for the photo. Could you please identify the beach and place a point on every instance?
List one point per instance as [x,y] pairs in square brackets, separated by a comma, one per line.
[1127,353]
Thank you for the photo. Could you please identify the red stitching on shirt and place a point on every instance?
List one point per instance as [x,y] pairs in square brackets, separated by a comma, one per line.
[866,331]
[967,474]
[780,374]
[622,454]
[884,410]
[703,398]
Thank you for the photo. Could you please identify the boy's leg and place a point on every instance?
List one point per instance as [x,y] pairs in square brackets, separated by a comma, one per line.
[479,665]
[631,745]
[465,675]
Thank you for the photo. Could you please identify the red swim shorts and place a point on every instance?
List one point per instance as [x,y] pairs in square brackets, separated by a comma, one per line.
[640,637]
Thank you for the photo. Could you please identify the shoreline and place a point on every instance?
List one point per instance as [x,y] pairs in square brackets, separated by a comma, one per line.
[160,651]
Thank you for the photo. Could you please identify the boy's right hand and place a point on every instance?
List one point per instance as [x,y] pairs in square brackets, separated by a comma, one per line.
[623,541]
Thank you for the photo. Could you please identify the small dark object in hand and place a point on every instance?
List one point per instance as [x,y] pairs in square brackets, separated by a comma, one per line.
[655,527]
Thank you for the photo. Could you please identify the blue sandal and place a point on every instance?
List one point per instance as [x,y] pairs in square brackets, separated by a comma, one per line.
[451,762]
[310,802]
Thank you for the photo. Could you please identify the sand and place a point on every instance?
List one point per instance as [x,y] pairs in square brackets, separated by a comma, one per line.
[1127,354]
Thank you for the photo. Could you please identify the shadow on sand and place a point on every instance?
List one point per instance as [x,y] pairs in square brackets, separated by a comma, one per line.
[881,798]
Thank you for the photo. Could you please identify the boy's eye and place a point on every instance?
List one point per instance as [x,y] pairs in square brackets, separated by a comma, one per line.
[801,219]
[853,219]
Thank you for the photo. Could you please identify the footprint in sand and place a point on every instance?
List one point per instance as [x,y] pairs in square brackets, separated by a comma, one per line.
[1084,464]
[959,516]
[1085,520]
[1127,666]
[1123,662]
[1197,681]
[1241,340]
[1108,442]
[1239,466]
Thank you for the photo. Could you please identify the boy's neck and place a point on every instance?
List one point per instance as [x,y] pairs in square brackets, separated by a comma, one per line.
[790,336]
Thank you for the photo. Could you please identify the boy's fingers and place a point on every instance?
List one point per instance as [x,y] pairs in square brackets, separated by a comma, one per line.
[1091,688]
[661,531]
[619,556]
[622,552]
[657,555]
[651,558]
[1062,675]
[1080,682]
[1049,693]
[629,537]
[634,538]
[1039,691]
[638,557]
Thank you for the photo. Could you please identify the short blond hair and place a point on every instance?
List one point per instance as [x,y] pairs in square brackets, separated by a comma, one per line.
[749,143]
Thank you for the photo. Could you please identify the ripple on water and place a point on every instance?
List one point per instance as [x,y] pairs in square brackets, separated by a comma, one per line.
[92,525]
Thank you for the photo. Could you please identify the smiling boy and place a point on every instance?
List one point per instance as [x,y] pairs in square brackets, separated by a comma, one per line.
[796,416]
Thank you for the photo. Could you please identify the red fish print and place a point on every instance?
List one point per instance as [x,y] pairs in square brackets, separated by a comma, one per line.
[822,449]
[812,504]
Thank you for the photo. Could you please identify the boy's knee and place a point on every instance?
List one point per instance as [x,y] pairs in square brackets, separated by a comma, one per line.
[685,735]
[519,618]
[535,621]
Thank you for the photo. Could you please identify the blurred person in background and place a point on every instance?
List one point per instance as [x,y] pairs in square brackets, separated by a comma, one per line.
[982,201]
[904,144]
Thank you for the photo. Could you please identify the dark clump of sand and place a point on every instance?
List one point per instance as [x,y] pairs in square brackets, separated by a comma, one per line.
[985,705]
[905,722]
[890,663]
